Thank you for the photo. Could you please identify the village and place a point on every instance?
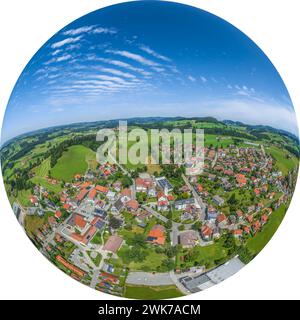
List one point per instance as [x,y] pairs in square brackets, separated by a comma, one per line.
[105,224]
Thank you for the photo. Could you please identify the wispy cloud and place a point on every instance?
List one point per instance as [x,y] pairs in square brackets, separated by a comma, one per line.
[203,79]
[191,78]
[74,32]
[65,41]
[154,53]
[121,64]
[93,29]
[64,58]
[104,30]
[55,52]
[117,73]
[133,56]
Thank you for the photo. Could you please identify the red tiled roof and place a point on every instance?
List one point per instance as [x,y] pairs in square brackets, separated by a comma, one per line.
[85,184]
[206,230]
[82,194]
[79,221]
[221,217]
[126,192]
[66,206]
[133,204]
[101,189]
[70,266]
[92,194]
[57,214]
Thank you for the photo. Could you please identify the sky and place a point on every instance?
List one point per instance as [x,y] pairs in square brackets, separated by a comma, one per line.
[147,58]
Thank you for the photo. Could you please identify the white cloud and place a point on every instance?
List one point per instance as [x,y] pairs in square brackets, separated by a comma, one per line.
[74,32]
[191,78]
[65,41]
[154,53]
[118,73]
[133,56]
[121,64]
[203,79]
[54,53]
[104,30]
[64,58]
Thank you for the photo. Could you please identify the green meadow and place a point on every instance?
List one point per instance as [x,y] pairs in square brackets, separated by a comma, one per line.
[73,161]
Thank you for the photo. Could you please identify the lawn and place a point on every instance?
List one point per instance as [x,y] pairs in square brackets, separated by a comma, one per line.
[257,243]
[204,255]
[97,259]
[152,293]
[22,198]
[97,238]
[73,161]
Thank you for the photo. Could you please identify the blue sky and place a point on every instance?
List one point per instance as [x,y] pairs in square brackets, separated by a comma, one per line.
[148,58]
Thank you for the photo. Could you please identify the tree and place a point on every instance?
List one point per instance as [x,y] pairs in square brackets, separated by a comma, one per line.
[114,223]
[141,197]
[126,181]
[229,241]
[232,200]
[245,255]
[138,240]
[181,227]
[169,264]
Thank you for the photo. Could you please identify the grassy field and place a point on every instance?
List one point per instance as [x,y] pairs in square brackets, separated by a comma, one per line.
[152,293]
[257,243]
[204,255]
[22,198]
[283,163]
[73,161]
[40,177]
[97,238]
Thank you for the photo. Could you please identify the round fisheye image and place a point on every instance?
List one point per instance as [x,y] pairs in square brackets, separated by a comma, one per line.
[149,150]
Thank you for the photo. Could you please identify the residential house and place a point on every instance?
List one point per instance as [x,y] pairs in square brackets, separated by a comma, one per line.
[157,235]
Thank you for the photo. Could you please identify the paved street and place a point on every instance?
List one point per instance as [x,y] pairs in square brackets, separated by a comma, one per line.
[150,279]
[156,214]
[196,197]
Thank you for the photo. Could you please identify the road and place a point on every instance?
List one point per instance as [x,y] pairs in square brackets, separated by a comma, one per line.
[215,160]
[156,214]
[196,197]
[179,285]
[149,279]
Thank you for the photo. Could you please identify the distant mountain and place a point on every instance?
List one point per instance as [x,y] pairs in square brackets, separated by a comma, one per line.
[262,128]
